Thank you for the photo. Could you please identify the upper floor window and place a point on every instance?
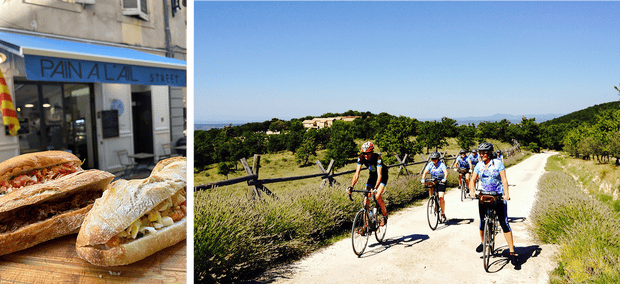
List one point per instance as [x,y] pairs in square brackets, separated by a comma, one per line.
[137,8]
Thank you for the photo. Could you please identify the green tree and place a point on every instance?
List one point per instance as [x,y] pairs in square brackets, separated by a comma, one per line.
[397,139]
[341,146]
[431,136]
[466,136]
[277,125]
[225,168]
[308,147]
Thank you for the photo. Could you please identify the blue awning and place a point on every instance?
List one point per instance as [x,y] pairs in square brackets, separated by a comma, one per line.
[48,59]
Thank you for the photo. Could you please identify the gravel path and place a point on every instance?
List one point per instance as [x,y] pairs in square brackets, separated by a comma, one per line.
[413,253]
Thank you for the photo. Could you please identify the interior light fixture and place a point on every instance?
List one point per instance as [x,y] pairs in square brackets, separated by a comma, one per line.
[47,105]
[28,105]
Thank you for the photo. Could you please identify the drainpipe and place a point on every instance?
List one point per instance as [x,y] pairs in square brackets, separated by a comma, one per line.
[169,53]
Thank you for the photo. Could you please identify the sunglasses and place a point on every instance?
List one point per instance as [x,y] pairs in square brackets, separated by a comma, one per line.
[485,153]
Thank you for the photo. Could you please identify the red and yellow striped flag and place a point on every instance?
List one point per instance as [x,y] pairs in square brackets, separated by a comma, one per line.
[9,116]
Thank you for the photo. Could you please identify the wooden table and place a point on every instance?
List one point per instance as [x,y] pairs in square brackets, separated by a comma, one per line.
[56,261]
[145,159]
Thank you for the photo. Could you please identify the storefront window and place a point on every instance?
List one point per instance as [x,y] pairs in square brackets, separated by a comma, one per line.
[28,113]
[58,117]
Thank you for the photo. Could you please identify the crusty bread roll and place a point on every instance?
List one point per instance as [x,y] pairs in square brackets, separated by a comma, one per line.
[103,239]
[34,161]
[41,212]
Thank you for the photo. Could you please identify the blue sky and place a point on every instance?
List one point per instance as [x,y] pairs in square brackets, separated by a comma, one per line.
[258,60]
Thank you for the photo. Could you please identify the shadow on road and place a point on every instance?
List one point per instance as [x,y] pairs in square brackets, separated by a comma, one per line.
[454,221]
[406,241]
[516,219]
[502,257]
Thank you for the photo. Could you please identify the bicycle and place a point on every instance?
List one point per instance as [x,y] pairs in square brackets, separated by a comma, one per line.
[433,212]
[365,222]
[491,224]
[463,187]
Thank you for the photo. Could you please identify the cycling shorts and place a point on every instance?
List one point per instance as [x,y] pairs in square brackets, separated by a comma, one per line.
[372,180]
[501,208]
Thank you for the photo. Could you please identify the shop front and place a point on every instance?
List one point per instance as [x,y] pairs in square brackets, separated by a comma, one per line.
[88,99]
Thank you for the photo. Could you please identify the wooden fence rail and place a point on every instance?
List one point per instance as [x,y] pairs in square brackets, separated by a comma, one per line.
[327,176]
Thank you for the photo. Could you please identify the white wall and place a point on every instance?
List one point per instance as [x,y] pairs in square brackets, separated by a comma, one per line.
[160,104]
[104,95]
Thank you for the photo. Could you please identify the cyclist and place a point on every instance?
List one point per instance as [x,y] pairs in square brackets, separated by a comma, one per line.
[499,155]
[438,170]
[378,175]
[462,162]
[492,174]
[473,159]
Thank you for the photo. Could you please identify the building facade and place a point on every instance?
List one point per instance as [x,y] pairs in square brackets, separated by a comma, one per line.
[93,77]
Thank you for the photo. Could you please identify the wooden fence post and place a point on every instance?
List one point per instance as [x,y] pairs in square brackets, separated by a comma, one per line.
[403,161]
[249,171]
[329,179]
[426,160]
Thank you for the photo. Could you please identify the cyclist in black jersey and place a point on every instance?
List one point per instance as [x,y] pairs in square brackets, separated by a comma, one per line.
[378,175]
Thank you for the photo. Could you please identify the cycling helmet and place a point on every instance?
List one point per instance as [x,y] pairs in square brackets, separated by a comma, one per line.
[499,151]
[435,155]
[485,146]
[368,147]
[462,152]
[474,151]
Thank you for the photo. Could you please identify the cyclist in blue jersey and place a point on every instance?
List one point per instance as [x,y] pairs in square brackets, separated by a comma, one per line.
[438,170]
[473,159]
[462,162]
[492,174]
[378,175]
[500,156]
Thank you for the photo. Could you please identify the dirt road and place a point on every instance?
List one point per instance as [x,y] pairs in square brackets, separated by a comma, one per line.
[413,253]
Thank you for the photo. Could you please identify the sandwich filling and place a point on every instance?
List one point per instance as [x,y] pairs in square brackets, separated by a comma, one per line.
[15,219]
[38,176]
[165,214]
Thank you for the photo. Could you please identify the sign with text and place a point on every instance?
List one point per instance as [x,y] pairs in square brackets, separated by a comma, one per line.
[42,68]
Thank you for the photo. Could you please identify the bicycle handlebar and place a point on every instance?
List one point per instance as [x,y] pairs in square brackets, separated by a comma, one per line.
[491,193]
[362,191]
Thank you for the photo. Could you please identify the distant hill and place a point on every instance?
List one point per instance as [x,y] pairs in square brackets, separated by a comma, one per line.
[207,126]
[584,115]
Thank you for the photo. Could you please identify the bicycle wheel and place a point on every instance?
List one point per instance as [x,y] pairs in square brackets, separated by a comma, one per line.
[380,231]
[360,232]
[432,212]
[488,243]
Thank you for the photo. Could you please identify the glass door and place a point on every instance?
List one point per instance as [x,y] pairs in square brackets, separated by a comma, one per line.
[29,115]
[79,122]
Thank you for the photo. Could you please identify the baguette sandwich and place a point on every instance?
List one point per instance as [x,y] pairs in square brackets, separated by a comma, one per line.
[43,196]
[136,218]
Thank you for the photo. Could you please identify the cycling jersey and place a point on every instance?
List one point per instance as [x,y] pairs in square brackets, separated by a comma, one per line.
[473,159]
[462,163]
[436,171]
[490,178]
[374,165]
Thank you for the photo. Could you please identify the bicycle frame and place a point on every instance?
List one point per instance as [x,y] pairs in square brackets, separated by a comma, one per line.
[490,230]
[433,207]
[364,225]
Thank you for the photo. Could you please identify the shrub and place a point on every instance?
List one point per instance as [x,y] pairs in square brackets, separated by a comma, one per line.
[587,231]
